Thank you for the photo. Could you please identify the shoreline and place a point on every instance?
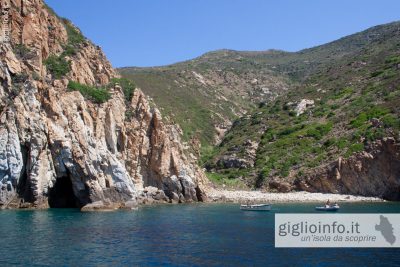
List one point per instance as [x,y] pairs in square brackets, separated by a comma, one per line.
[226,196]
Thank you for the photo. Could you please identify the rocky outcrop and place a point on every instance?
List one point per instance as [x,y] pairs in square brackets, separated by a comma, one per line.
[280,186]
[42,33]
[240,158]
[374,172]
[303,105]
[59,149]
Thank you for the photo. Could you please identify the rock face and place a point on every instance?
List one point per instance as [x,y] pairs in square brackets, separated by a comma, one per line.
[58,149]
[374,172]
[240,159]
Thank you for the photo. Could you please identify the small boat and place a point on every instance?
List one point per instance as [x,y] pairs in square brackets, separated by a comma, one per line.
[256,207]
[329,208]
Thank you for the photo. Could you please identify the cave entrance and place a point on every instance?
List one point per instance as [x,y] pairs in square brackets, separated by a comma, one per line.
[61,195]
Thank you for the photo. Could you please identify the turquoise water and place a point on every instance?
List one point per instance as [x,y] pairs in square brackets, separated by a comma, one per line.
[180,235]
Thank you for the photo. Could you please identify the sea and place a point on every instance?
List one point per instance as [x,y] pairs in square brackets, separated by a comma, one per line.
[172,235]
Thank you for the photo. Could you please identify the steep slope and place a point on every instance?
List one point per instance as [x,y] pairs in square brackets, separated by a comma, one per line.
[336,131]
[70,136]
[206,94]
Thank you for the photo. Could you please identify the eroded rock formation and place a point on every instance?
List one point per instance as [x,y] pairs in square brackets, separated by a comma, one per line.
[59,149]
[374,172]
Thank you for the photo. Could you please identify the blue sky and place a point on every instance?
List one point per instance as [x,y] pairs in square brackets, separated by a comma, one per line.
[160,32]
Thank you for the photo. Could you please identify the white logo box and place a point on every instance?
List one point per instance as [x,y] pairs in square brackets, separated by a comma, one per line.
[337,230]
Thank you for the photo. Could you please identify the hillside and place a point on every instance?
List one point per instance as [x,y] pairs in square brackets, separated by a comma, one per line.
[296,113]
[352,103]
[206,94]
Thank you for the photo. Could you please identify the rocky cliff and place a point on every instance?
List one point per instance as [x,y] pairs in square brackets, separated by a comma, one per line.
[60,148]
[373,172]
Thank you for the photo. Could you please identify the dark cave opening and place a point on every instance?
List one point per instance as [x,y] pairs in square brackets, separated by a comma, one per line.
[23,187]
[61,195]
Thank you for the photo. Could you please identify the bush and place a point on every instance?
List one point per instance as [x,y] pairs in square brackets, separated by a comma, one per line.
[57,65]
[357,147]
[374,112]
[344,93]
[391,120]
[69,50]
[377,112]
[262,176]
[98,95]
[376,73]
[360,120]
[393,60]
[284,169]
[320,130]
[22,51]
[127,85]
[19,78]
[342,143]
[75,37]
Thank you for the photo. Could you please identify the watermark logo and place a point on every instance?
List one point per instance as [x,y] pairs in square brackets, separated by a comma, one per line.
[5,21]
[337,230]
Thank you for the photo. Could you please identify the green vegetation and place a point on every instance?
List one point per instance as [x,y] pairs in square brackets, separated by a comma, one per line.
[75,37]
[357,147]
[374,112]
[128,87]
[22,51]
[58,66]
[19,78]
[96,94]
[220,180]
[353,81]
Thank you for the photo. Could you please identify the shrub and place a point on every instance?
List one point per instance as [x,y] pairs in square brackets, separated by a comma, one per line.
[376,73]
[391,120]
[342,143]
[127,85]
[320,130]
[374,112]
[262,176]
[22,51]
[69,50]
[20,78]
[285,168]
[360,120]
[36,76]
[329,142]
[290,130]
[57,65]
[374,134]
[377,112]
[98,95]
[357,147]
[75,37]
[344,92]
[393,60]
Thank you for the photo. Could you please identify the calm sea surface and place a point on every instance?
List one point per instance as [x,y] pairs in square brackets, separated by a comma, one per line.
[180,235]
